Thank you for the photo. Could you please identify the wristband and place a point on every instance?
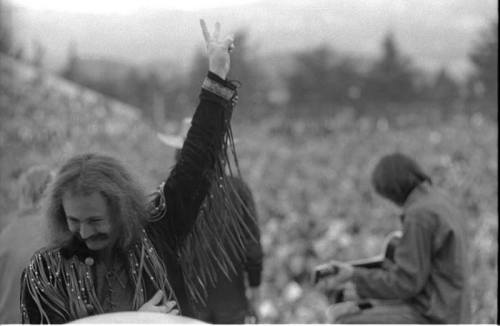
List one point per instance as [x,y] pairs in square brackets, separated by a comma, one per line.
[226,90]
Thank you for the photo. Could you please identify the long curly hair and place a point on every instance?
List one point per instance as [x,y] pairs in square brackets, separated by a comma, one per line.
[95,173]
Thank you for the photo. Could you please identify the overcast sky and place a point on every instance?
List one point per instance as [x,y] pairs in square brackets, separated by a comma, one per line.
[125,6]
[433,32]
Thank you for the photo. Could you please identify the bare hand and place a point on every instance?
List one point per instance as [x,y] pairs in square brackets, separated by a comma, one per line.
[337,281]
[218,51]
[322,271]
[253,296]
[157,304]
[334,312]
[350,293]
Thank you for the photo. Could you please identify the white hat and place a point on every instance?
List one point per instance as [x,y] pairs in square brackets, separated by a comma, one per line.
[176,141]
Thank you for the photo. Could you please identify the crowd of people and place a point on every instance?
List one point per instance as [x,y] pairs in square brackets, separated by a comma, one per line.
[192,247]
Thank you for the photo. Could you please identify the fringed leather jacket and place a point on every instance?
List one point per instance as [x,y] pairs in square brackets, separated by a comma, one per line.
[59,285]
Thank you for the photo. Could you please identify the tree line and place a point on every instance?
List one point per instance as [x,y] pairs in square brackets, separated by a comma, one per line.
[315,81]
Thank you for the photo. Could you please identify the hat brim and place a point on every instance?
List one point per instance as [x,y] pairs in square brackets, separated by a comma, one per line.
[172,141]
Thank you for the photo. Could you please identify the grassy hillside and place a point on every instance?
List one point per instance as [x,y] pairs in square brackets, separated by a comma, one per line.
[45,120]
[310,179]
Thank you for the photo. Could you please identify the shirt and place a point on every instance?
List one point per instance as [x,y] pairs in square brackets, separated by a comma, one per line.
[430,269]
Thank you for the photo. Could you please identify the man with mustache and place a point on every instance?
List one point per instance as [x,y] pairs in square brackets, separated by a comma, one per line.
[112,250]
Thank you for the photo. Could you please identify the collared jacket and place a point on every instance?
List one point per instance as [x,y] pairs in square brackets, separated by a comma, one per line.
[430,270]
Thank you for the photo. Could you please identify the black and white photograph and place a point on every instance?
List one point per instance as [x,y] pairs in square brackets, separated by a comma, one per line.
[249,161]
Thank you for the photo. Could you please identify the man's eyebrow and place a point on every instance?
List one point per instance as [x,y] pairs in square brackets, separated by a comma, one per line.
[96,217]
[86,218]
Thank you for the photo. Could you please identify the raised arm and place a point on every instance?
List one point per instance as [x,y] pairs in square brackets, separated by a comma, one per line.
[189,181]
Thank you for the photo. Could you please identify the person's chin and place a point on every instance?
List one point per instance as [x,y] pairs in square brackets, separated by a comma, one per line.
[96,245]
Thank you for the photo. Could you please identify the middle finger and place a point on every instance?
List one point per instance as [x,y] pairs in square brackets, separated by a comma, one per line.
[170,305]
[217,31]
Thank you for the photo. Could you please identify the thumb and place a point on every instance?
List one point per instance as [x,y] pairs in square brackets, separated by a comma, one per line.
[156,299]
[228,41]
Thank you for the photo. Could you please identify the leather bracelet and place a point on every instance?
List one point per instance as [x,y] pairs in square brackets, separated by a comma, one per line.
[218,89]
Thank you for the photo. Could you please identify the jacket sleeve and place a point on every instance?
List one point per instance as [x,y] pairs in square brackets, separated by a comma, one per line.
[29,310]
[408,275]
[182,194]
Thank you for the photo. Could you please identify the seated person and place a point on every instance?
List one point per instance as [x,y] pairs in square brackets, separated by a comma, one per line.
[427,283]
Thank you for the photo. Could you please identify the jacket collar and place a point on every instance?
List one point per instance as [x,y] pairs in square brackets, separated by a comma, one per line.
[421,190]
[76,247]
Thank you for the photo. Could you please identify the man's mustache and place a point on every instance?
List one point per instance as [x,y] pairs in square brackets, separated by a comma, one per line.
[99,236]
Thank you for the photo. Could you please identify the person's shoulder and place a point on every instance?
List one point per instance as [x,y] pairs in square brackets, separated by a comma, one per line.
[156,206]
[422,212]
[45,261]
[46,254]
[435,201]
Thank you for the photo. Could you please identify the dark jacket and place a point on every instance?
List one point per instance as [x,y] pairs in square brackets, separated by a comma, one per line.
[226,301]
[184,191]
[430,271]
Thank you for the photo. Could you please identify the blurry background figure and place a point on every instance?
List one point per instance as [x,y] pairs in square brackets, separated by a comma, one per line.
[427,282]
[20,239]
[233,298]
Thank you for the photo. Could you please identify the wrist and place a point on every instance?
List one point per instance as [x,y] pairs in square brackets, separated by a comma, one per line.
[218,86]
[220,73]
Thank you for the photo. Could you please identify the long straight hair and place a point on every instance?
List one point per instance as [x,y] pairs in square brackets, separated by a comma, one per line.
[396,175]
[95,173]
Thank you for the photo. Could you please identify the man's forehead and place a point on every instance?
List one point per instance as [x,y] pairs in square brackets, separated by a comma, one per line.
[75,200]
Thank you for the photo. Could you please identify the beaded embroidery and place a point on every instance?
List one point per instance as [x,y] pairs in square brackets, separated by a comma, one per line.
[66,286]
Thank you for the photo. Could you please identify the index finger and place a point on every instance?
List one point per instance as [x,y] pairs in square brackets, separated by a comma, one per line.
[217,30]
[206,34]
[170,305]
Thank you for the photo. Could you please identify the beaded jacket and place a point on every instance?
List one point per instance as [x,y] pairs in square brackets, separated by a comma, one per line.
[179,248]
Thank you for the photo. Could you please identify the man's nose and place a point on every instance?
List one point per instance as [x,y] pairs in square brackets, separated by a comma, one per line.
[85,231]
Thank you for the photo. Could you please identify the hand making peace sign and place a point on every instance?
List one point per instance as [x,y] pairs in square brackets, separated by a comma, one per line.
[217,50]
